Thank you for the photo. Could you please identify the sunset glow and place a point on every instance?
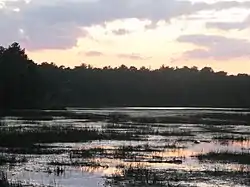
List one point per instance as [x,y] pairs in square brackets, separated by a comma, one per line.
[132,32]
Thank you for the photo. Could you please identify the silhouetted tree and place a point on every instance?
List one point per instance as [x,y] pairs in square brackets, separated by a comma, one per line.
[25,84]
[18,78]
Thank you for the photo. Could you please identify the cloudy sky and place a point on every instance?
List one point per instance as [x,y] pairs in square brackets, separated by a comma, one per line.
[132,32]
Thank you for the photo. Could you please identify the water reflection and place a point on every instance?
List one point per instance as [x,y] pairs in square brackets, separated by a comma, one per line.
[156,155]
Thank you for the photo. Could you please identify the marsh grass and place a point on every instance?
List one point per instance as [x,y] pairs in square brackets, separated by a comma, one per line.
[224,129]
[12,138]
[33,119]
[209,118]
[231,137]
[11,159]
[176,133]
[174,146]
[128,126]
[29,140]
[140,153]
[88,153]
[140,175]
[2,123]
[4,182]
[218,128]
[154,132]
[87,163]
[34,150]
[122,152]
[56,134]
[137,175]
[50,114]
[227,118]
[226,157]
[139,148]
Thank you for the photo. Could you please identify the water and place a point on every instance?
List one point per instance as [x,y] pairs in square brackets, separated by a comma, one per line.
[153,140]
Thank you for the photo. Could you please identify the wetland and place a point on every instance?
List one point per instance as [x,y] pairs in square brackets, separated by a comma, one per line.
[201,147]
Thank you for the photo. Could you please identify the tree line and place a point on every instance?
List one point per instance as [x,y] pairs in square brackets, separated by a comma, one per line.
[25,84]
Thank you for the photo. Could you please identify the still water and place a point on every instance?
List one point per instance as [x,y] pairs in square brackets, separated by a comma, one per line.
[195,146]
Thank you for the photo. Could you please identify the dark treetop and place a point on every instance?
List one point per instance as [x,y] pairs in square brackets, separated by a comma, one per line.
[24,84]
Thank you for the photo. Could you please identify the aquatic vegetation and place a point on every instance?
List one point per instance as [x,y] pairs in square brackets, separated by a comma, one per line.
[226,156]
[4,182]
[137,175]
[75,163]
[229,118]
[51,134]
[129,126]
[218,128]
[140,175]
[46,135]
[128,150]
[11,159]
[33,149]
[2,123]
[231,137]
[88,153]
[175,133]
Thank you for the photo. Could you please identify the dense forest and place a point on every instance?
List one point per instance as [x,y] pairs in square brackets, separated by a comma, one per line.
[25,84]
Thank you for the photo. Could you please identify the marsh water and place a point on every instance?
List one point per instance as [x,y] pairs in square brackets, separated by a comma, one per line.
[127,147]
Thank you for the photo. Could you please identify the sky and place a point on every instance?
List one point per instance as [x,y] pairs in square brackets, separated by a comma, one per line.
[148,33]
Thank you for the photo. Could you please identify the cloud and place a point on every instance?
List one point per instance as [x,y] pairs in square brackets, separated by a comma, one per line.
[230,25]
[133,56]
[151,26]
[215,47]
[58,23]
[36,34]
[120,32]
[53,37]
[93,53]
